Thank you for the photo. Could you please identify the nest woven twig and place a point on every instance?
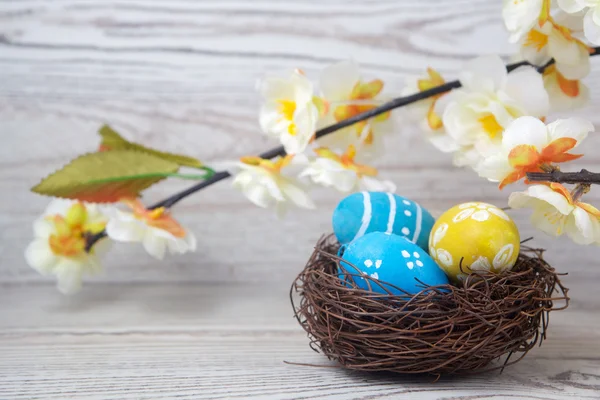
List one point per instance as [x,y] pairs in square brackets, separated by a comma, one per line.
[442,330]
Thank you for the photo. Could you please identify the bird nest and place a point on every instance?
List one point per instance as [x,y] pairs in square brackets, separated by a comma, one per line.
[441,330]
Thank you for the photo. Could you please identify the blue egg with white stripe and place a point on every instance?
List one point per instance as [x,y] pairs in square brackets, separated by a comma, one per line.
[366,212]
[393,264]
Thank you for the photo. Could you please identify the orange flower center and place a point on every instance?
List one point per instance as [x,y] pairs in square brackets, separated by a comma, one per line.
[526,158]
[536,39]
[362,92]
[490,125]
[158,218]
[287,108]
[70,231]
[347,161]
[273,167]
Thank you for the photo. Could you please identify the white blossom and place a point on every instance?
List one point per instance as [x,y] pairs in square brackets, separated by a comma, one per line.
[156,229]
[555,212]
[343,173]
[490,100]
[59,246]
[554,41]
[289,113]
[520,16]
[346,94]
[263,183]
[591,20]
[528,145]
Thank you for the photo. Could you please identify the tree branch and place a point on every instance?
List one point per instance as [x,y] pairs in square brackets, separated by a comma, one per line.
[584,176]
[279,151]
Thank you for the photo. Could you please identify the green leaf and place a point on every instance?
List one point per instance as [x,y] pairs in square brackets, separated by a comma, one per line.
[111,140]
[106,177]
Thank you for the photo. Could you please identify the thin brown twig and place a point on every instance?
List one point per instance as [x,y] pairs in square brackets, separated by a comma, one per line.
[584,177]
[280,151]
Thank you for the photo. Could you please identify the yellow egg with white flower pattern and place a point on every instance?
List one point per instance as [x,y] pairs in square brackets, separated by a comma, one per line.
[474,237]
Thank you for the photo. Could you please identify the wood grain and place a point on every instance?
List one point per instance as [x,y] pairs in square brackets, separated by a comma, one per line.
[180,75]
[231,341]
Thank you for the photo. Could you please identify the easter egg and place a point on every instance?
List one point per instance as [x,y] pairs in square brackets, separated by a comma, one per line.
[393,259]
[366,212]
[483,236]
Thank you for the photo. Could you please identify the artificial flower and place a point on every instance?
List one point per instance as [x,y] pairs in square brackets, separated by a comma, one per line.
[554,41]
[156,229]
[263,183]
[347,96]
[289,112]
[343,173]
[59,247]
[556,212]
[528,145]
[564,94]
[489,100]
[521,15]
[428,112]
[591,20]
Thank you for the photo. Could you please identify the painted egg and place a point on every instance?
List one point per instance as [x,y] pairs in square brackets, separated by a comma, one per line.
[483,236]
[393,259]
[366,212]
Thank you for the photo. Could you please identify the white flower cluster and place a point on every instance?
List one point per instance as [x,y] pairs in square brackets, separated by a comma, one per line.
[292,111]
[62,232]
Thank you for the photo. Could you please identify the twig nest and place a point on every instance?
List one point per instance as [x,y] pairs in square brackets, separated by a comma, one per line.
[444,329]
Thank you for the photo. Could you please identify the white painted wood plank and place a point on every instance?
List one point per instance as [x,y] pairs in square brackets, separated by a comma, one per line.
[231,341]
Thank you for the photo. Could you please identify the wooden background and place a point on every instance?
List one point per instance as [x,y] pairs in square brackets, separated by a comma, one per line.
[180,75]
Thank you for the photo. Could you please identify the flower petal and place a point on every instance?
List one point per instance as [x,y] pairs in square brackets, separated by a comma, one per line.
[548,219]
[576,128]
[297,195]
[596,14]
[258,195]
[305,121]
[572,58]
[68,275]
[525,130]
[543,193]
[526,87]
[442,141]
[535,47]
[42,228]
[40,257]
[154,244]
[367,90]
[58,206]
[338,80]
[273,88]
[523,155]
[590,28]
[271,121]
[571,6]
[558,147]
[580,228]
[495,168]
[520,16]
[125,231]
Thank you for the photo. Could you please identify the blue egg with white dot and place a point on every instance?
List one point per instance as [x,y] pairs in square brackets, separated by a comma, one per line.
[389,259]
[366,212]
